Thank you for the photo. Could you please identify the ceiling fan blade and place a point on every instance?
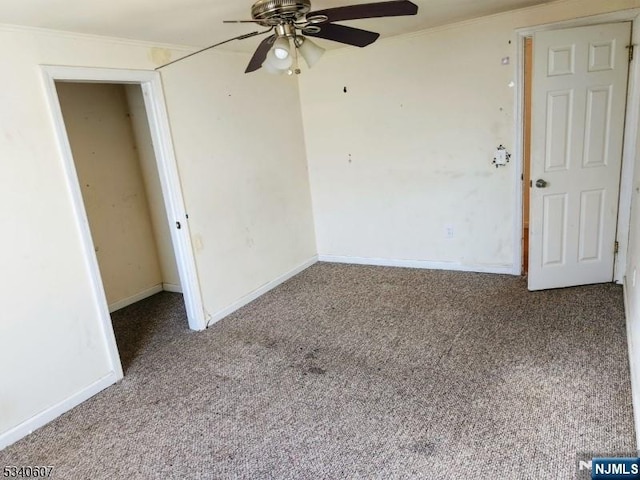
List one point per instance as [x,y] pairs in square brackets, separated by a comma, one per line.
[344,34]
[394,8]
[241,21]
[260,54]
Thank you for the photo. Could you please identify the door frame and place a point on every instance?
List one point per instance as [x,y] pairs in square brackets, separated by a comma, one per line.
[153,94]
[632,122]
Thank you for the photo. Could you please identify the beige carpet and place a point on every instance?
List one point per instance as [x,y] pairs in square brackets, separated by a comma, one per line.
[350,372]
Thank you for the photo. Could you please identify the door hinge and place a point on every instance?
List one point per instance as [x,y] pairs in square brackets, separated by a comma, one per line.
[631,49]
[616,247]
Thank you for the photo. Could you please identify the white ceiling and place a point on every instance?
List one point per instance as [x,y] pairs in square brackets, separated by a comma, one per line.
[198,23]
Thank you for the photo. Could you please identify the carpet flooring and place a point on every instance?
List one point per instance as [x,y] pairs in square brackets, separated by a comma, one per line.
[355,372]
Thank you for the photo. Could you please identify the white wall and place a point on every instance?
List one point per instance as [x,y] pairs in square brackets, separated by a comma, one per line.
[140,125]
[240,150]
[51,338]
[407,151]
[632,295]
[104,151]
[245,184]
[632,274]
[421,119]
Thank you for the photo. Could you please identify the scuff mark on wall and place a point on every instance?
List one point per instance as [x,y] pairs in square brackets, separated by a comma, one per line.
[249,238]
[198,244]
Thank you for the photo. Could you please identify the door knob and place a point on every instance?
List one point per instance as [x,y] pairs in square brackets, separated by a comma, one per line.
[540,183]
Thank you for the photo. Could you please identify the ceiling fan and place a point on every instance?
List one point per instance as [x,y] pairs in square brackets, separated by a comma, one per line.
[292,22]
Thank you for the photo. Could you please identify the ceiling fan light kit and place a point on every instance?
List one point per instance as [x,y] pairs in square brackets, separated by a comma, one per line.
[281,48]
[278,63]
[292,21]
[310,51]
[272,69]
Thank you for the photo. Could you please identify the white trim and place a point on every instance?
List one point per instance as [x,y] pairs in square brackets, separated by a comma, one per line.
[518,171]
[100,75]
[125,302]
[170,287]
[423,264]
[220,314]
[611,17]
[25,428]
[631,127]
[174,203]
[634,367]
[629,150]
[71,177]
[167,168]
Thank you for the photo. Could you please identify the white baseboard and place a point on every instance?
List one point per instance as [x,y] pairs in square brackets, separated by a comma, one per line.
[25,428]
[633,366]
[424,264]
[220,314]
[170,287]
[125,302]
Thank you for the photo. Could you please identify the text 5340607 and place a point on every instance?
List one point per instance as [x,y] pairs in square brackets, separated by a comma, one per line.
[13,471]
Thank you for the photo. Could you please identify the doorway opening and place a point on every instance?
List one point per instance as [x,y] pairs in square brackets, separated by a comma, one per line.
[108,131]
[145,90]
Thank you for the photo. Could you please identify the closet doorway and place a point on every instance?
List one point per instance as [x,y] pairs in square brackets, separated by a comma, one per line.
[108,131]
[113,133]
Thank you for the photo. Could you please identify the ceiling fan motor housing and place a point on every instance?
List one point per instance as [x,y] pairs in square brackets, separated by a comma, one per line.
[275,12]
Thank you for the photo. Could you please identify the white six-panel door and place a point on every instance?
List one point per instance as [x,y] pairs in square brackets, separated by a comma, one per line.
[578,108]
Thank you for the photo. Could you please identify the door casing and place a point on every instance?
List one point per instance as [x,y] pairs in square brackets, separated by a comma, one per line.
[171,189]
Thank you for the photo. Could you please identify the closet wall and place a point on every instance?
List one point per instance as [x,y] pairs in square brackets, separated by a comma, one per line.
[98,122]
